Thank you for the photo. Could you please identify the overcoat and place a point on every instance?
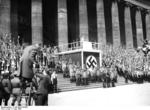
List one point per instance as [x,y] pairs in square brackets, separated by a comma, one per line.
[27,60]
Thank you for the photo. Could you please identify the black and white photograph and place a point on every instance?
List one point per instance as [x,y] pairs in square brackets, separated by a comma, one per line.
[74,54]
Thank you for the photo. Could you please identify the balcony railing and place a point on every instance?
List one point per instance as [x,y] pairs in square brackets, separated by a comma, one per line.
[81,45]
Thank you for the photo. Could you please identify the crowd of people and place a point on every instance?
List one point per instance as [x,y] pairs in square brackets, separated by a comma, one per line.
[36,66]
[25,69]
[131,64]
[84,76]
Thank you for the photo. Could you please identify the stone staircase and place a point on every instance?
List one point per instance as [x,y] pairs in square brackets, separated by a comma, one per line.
[65,85]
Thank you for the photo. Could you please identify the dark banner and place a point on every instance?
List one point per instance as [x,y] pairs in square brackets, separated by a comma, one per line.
[91,59]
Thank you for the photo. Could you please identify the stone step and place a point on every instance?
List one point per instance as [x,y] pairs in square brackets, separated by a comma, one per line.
[79,87]
[63,89]
[64,84]
[74,87]
[90,84]
[73,84]
[68,82]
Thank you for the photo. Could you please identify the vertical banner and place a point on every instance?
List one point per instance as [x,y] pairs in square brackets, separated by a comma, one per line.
[91,59]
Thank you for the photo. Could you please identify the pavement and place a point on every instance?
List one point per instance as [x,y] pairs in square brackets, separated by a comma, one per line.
[126,95]
[134,96]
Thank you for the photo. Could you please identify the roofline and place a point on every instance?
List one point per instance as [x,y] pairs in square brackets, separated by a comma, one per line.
[138,4]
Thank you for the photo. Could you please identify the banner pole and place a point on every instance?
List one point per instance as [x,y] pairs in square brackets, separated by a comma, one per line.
[100,58]
[82,59]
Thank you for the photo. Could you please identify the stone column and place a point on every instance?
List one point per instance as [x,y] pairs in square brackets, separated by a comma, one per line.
[143,18]
[5,17]
[148,26]
[139,28]
[83,20]
[128,27]
[101,23]
[115,25]
[62,23]
[14,21]
[37,29]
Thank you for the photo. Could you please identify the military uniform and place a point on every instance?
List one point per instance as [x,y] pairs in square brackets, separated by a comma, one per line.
[43,89]
[78,76]
[64,66]
[92,74]
[54,81]
[16,90]
[106,77]
[98,75]
[1,90]
[7,88]
[85,77]
[72,73]
[113,75]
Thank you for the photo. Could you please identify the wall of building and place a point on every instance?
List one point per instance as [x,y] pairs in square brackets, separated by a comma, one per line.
[56,22]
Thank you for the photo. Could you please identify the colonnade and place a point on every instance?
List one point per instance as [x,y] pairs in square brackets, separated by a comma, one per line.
[114,22]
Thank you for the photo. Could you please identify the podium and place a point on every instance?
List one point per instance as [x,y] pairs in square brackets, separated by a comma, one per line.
[83,53]
[87,45]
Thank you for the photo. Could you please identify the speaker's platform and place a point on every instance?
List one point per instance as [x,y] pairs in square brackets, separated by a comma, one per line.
[81,53]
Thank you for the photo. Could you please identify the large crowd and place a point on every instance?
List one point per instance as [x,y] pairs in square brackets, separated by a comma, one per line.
[18,64]
[21,65]
[131,64]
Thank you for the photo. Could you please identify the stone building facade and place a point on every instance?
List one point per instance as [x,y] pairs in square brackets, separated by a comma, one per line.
[55,22]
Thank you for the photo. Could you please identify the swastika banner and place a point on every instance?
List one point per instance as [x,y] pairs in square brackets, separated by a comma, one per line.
[91,59]
[91,62]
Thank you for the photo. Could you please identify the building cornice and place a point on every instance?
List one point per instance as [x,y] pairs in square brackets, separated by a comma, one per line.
[139,4]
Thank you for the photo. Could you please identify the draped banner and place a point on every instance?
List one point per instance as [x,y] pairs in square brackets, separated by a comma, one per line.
[90,59]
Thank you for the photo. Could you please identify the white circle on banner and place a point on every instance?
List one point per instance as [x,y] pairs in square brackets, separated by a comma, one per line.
[91,62]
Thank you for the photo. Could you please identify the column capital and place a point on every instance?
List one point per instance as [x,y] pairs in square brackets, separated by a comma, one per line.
[147,12]
[116,1]
[128,4]
[139,8]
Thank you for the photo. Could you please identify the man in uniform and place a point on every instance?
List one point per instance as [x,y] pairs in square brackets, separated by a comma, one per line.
[93,74]
[85,76]
[43,89]
[78,76]
[16,89]
[113,75]
[98,74]
[54,81]
[64,66]
[71,72]
[6,84]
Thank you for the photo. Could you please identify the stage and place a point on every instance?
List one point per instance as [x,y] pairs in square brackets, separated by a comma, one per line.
[81,53]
